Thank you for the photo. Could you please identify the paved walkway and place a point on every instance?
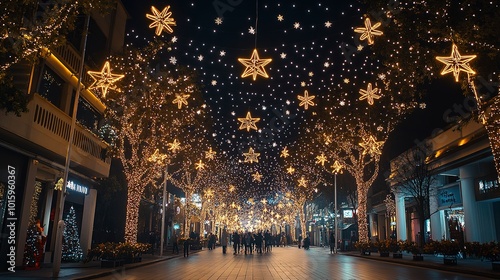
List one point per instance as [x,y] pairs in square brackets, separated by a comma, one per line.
[93,270]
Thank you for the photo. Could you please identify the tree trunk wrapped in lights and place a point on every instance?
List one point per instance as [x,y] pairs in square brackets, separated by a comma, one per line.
[147,119]
[493,128]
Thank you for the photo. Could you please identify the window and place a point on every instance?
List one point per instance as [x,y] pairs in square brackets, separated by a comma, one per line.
[51,86]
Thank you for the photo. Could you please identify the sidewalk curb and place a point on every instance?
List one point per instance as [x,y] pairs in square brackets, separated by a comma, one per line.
[450,268]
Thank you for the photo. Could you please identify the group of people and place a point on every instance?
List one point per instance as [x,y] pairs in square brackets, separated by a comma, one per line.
[259,242]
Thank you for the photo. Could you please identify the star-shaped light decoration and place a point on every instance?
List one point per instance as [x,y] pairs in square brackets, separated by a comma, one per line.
[328,24]
[251,156]
[371,146]
[296,25]
[306,100]
[280,18]
[290,170]
[157,157]
[232,188]
[302,182]
[180,99]
[456,63]
[257,176]
[210,154]
[283,55]
[218,21]
[248,122]
[161,20]
[59,185]
[369,94]
[199,165]
[337,167]
[254,65]
[284,153]
[369,31]
[104,79]
[264,201]
[174,146]
[321,159]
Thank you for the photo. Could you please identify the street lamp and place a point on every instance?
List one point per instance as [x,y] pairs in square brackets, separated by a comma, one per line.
[337,168]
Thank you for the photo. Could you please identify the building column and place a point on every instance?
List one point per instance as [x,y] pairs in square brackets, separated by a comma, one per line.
[437,231]
[373,226]
[382,226]
[477,217]
[24,220]
[88,221]
[400,217]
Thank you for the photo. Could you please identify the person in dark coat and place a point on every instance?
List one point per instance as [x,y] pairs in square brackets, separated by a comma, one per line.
[236,242]
[186,248]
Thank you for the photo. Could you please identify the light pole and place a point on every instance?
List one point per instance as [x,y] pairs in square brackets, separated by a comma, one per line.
[56,266]
[337,167]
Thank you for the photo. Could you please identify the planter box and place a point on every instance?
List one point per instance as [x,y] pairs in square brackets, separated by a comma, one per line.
[366,253]
[495,266]
[397,255]
[132,260]
[418,258]
[450,259]
[111,263]
[384,254]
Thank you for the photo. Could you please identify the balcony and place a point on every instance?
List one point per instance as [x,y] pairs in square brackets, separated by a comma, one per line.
[45,130]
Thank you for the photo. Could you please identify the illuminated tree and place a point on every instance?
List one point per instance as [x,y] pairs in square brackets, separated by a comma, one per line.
[147,120]
[417,33]
[28,30]
[71,250]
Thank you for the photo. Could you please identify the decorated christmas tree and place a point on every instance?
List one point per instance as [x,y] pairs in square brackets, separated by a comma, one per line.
[71,251]
[31,249]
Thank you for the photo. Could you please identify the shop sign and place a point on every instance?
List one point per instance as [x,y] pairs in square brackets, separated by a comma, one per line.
[77,187]
[348,214]
[449,196]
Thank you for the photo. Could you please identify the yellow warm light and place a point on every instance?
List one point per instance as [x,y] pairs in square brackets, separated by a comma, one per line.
[371,146]
[306,100]
[284,153]
[369,94]
[180,99]
[251,156]
[463,141]
[438,153]
[456,63]
[254,65]
[368,32]
[104,79]
[174,146]
[161,20]
[248,122]
[321,159]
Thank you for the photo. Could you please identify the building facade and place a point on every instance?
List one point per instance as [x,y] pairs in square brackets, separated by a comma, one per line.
[34,145]
[464,196]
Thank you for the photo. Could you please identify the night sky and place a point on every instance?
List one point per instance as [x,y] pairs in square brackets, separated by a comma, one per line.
[312,48]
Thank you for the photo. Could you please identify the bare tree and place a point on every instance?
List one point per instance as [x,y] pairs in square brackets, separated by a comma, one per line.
[411,176]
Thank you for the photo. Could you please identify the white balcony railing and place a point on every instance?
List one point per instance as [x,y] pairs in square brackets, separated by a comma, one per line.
[49,128]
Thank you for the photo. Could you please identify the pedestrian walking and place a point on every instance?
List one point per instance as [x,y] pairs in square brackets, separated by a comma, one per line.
[223,240]
[186,248]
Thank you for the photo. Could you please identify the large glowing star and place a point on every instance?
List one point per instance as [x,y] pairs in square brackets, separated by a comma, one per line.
[180,99]
[306,100]
[199,165]
[161,20]
[369,31]
[174,146]
[371,146]
[257,176]
[456,63]
[251,156]
[321,159]
[290,170]
[254,66]
[337,167]
[302,182]
[210,154]
[157,157]
[284,153]
[104,80]
[248,122]
[369,94]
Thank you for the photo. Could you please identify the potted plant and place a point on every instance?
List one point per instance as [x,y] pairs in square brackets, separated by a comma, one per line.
[491,251]
[364,247]
[383,247]
[449,249]
[411,247]
[395,247]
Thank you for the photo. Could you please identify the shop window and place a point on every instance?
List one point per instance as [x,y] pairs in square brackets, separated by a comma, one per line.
[87,115]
